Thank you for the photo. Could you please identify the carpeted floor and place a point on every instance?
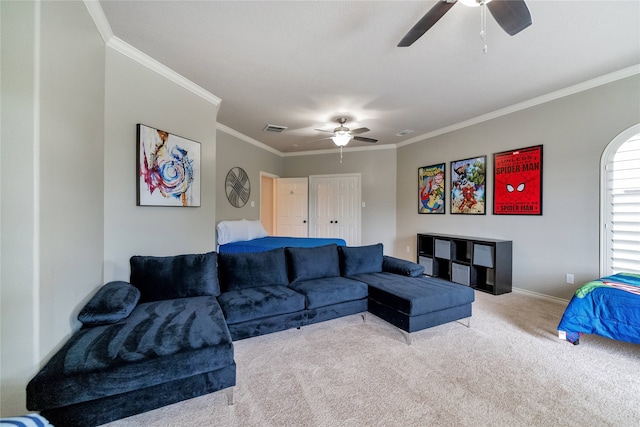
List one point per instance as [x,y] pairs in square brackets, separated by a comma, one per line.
[508,369]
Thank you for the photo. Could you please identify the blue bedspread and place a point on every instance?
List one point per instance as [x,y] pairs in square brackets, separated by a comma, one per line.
[601,308]
[271,242]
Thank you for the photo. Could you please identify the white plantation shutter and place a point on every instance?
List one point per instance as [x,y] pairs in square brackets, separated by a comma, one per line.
[622,208]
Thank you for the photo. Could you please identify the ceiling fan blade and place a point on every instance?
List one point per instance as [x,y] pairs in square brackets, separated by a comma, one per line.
[364,139]
[427,21]
[512,15]
[322,130]
[359,130]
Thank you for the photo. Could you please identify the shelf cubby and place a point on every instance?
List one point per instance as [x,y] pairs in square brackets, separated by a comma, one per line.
[481,263]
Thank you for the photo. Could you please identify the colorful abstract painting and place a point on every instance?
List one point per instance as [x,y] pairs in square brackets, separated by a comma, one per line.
[431,195]
[168,169]
[468,186]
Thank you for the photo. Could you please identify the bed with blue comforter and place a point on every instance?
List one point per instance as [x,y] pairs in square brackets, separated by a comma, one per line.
[263,244]
[609,306]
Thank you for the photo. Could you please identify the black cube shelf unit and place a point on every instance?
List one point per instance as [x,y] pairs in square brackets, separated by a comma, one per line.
[483,264]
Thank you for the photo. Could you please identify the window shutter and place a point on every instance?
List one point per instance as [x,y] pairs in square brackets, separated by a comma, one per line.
[623,195]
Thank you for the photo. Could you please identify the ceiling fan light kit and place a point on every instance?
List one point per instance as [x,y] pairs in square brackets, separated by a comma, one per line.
[341,138]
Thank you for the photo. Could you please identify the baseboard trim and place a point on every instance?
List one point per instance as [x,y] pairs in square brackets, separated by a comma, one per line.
[557,300]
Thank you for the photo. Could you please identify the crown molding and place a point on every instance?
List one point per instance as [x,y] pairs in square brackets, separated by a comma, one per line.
[245,138]
[104,28]
[571,90]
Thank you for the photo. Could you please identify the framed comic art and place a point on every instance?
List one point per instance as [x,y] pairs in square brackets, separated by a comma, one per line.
[517,179]
[468,186]
[431,195]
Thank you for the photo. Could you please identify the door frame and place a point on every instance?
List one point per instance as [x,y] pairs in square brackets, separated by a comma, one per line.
[269,196]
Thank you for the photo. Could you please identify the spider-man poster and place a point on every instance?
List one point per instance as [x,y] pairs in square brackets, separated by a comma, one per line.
[517,179]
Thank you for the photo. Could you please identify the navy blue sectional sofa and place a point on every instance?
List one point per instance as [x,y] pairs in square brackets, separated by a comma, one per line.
[167,335]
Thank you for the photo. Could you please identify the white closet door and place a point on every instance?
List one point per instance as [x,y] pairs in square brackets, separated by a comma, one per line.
[292,207]
[347,209]
[334,207]
[321,207]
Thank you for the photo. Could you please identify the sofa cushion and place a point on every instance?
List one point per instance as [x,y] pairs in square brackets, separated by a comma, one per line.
[254,303]
[159,342]
[360,259]
[330,290]
[112,303]
[180,276]
[401,267]
[250,270]
[313,263]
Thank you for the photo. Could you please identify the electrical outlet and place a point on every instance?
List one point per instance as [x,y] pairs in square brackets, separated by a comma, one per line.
[570,279]
[408,249]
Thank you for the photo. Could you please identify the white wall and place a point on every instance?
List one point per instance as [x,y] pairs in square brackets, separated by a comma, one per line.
[378,169]
[574,131]
[136,94]
[52,138]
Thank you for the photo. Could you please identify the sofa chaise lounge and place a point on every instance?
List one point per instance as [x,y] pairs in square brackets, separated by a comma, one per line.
[168,334]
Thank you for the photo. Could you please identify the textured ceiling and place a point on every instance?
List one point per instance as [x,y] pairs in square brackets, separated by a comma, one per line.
[301,64]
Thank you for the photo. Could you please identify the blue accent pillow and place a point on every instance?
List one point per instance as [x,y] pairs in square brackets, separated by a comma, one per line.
[249,270]
[313,263]
[179,276]
[360,259]
[112,303]
[401,267]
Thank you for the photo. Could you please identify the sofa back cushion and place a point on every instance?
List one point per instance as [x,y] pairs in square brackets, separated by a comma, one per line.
[313,263]
[401,266]
[179,276]
[360,259]
[251,270]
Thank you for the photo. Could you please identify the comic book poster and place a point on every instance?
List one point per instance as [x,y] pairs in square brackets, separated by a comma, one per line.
[431,189]
[517,177]
[468,186]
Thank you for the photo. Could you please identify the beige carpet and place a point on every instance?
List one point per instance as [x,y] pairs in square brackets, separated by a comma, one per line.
[508,369]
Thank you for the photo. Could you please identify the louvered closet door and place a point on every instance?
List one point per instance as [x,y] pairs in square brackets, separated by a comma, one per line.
[622,209]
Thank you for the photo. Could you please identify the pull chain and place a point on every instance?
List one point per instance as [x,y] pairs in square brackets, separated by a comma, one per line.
[483,25]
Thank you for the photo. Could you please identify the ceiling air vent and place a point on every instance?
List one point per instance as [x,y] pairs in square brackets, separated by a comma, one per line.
[274,128]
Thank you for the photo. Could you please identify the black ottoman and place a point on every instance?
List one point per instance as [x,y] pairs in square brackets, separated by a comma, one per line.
[416,303]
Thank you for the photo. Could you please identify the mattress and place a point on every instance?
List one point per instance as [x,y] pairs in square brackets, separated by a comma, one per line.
[271,242]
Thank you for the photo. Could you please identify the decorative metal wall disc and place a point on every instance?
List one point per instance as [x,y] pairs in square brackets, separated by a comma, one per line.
[237,187]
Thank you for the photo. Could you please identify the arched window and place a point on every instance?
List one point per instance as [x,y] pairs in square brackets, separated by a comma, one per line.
[620,204]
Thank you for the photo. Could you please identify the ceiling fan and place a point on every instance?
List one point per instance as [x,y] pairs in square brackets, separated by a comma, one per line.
[512,15]
[342,134]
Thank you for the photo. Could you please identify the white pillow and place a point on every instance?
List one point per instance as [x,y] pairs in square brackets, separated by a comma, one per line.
[239,231]
[256,230]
